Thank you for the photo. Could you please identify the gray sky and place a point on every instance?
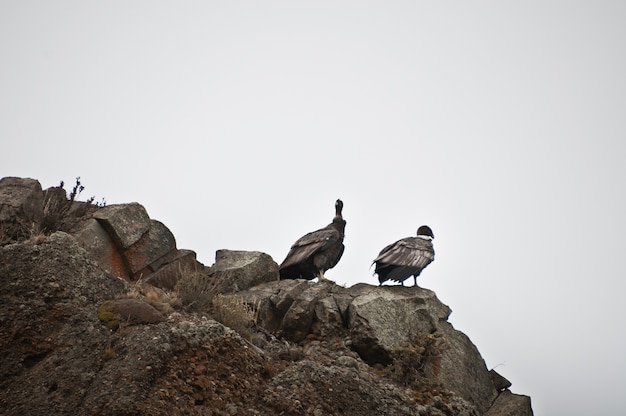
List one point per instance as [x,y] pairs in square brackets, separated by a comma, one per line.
[501,125]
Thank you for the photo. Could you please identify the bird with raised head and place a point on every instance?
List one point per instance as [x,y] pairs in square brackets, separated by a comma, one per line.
[314,253]
[406,257]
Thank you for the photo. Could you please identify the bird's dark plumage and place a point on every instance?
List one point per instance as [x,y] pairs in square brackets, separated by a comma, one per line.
[406,257]
[311,255]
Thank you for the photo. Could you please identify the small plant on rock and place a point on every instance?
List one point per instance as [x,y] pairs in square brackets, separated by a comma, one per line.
[196,291]
[235,314]
[60,210]
[203,292]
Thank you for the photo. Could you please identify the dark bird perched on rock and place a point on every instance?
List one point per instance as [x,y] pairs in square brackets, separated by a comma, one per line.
[311,255]
[406,257]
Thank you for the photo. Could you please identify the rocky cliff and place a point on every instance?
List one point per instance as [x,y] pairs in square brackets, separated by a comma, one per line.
[102,314]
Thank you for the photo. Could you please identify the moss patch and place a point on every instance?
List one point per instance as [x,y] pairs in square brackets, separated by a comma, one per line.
[107,316]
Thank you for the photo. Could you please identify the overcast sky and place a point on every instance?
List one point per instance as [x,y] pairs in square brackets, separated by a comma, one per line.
[501,125]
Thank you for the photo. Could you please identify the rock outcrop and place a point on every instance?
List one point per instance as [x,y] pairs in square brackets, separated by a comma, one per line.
[122,238]
[509,404]
[21,208]
[377,321]
[239,270]
[92,322]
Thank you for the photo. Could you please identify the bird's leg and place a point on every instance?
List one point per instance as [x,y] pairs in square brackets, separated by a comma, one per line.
[320,277]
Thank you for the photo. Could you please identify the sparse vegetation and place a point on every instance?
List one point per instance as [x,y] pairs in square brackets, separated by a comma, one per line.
[77,189]
[201,292]
[235,314]
[38,237]
[196,291]
[108,317]
[59,208]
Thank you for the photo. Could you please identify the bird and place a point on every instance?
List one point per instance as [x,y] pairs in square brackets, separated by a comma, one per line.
[406,257]
[314,253]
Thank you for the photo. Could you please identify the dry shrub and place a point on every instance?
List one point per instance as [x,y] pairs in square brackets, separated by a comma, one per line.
[196,291]
[202,292]
[60,213]
[55,209]
[235,314]
[38,238]
[163,301]
[61,210]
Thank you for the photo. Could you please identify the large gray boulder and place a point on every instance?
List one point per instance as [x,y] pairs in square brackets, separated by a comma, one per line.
[298,319]
[125,223]
[144,244]
[239,270]
[125,242]
[21,208]
[383,319]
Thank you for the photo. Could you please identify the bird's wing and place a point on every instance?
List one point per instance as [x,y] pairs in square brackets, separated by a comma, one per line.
[321,237]
[410,252]
[309,244]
